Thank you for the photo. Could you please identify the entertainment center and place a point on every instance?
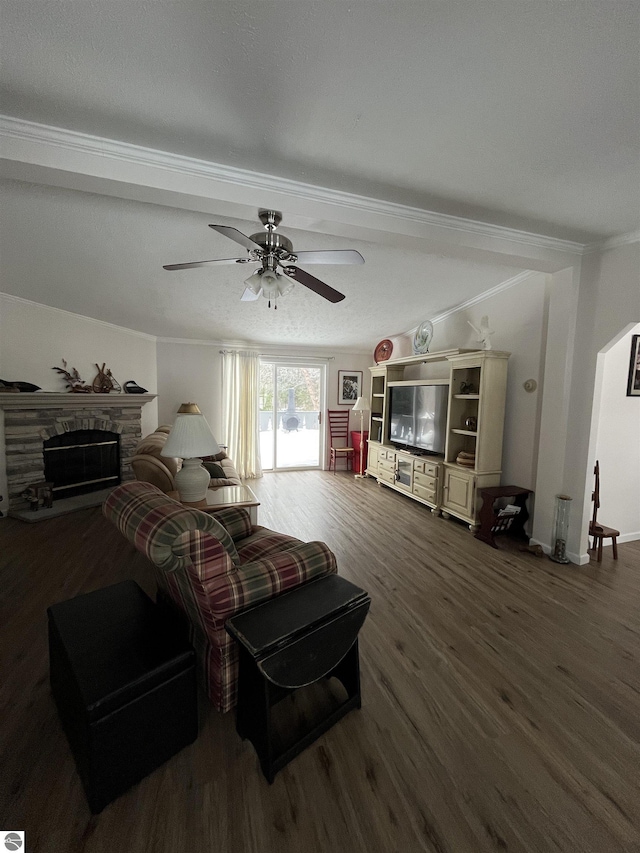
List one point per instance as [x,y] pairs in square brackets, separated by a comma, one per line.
[446,458]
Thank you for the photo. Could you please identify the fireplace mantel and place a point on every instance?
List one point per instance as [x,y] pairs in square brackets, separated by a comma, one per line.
[23,400]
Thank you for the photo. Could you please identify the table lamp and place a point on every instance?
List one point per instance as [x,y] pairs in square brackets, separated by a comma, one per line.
[361,406]
[191,438]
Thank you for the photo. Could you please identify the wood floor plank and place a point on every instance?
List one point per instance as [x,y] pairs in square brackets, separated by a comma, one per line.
[500,697]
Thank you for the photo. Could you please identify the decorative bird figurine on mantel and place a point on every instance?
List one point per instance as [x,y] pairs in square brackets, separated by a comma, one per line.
[483,332]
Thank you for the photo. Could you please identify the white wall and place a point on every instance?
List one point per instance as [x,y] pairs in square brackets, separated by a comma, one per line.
[617,439]
[609,300]
[190,373]
[562,291]
[35,338]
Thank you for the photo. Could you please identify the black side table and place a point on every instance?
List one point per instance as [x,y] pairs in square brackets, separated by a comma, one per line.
[290,642]
[491,522]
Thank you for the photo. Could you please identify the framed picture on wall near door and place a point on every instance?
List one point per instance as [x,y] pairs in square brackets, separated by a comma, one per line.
[349,386]
[633,383]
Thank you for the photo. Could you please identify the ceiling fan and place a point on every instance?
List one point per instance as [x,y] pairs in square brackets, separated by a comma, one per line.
[274,252]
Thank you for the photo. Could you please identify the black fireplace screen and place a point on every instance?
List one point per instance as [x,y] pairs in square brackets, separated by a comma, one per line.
[82,461]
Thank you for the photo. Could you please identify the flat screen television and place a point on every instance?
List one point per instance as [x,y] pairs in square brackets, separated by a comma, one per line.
[418,417]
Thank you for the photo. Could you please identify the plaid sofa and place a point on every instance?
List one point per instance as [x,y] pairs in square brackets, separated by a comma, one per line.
[212,566]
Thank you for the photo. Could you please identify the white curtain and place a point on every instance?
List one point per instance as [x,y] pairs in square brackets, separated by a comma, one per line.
[240,383]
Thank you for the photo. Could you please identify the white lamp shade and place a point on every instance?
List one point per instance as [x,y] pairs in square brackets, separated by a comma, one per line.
[190,436]
[361,405]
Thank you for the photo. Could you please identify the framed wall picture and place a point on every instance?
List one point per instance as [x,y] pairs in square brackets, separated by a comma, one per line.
[349,386]
[633,383]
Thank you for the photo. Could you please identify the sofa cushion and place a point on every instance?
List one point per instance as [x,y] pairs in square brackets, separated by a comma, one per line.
[264,542]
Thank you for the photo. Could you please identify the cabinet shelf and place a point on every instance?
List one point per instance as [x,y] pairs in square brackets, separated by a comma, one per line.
[376,418]
[467,396]
[464,432]
[378,395]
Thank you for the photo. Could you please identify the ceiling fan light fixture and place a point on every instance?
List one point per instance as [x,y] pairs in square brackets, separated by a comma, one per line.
[285,286]
[273,286]
[254,283]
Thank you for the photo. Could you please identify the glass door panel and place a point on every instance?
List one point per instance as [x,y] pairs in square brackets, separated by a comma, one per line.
[290,405]
[405,472]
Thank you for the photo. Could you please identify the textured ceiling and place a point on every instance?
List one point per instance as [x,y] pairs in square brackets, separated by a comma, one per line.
[525,115]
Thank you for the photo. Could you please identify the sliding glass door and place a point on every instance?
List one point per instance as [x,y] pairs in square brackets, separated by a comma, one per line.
[291,401]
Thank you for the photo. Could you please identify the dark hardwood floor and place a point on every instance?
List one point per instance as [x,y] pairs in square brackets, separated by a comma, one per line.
[501,698]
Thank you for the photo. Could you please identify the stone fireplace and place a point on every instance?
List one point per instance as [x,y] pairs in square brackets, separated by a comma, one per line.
[98,434]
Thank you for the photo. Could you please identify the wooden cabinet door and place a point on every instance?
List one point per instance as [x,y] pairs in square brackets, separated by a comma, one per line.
[458,493]
[373,456]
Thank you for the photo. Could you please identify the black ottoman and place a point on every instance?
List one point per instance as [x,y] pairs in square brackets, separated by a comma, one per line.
[293,641]
[123,678]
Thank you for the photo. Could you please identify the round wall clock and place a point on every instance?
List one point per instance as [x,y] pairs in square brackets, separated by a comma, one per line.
[383,351]
[422,338]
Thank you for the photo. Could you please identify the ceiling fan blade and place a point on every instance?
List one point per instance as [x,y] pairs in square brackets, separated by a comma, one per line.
[193,264]
[337,256]
[238,236]
[313,283]
[250,296]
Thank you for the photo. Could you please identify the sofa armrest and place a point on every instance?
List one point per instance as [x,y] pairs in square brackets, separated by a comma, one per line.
[260,580]
[172,536]
[150,469]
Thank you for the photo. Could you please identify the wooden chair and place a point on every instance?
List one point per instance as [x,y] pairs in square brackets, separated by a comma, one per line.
[339,437]
[599,531]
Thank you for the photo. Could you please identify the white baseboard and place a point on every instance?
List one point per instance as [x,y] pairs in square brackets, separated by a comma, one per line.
[627,537]
[579,559]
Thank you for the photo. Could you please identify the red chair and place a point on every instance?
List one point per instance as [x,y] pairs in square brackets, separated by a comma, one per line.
[339,437]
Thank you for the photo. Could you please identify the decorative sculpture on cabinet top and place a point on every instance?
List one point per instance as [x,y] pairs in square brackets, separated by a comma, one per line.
[483,332]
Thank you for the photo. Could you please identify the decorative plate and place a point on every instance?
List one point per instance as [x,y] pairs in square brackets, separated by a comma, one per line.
[383,351]
[422,338]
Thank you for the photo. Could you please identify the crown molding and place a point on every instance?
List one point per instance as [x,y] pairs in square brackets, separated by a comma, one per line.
[285,351]
[129,154]
[613,242]
[493,291]
[111,326]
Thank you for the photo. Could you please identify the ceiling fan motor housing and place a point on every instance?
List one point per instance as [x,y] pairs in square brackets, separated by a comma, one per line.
[270,218]
[270,242]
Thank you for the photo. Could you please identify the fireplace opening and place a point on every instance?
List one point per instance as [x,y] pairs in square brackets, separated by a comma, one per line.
[82,461]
